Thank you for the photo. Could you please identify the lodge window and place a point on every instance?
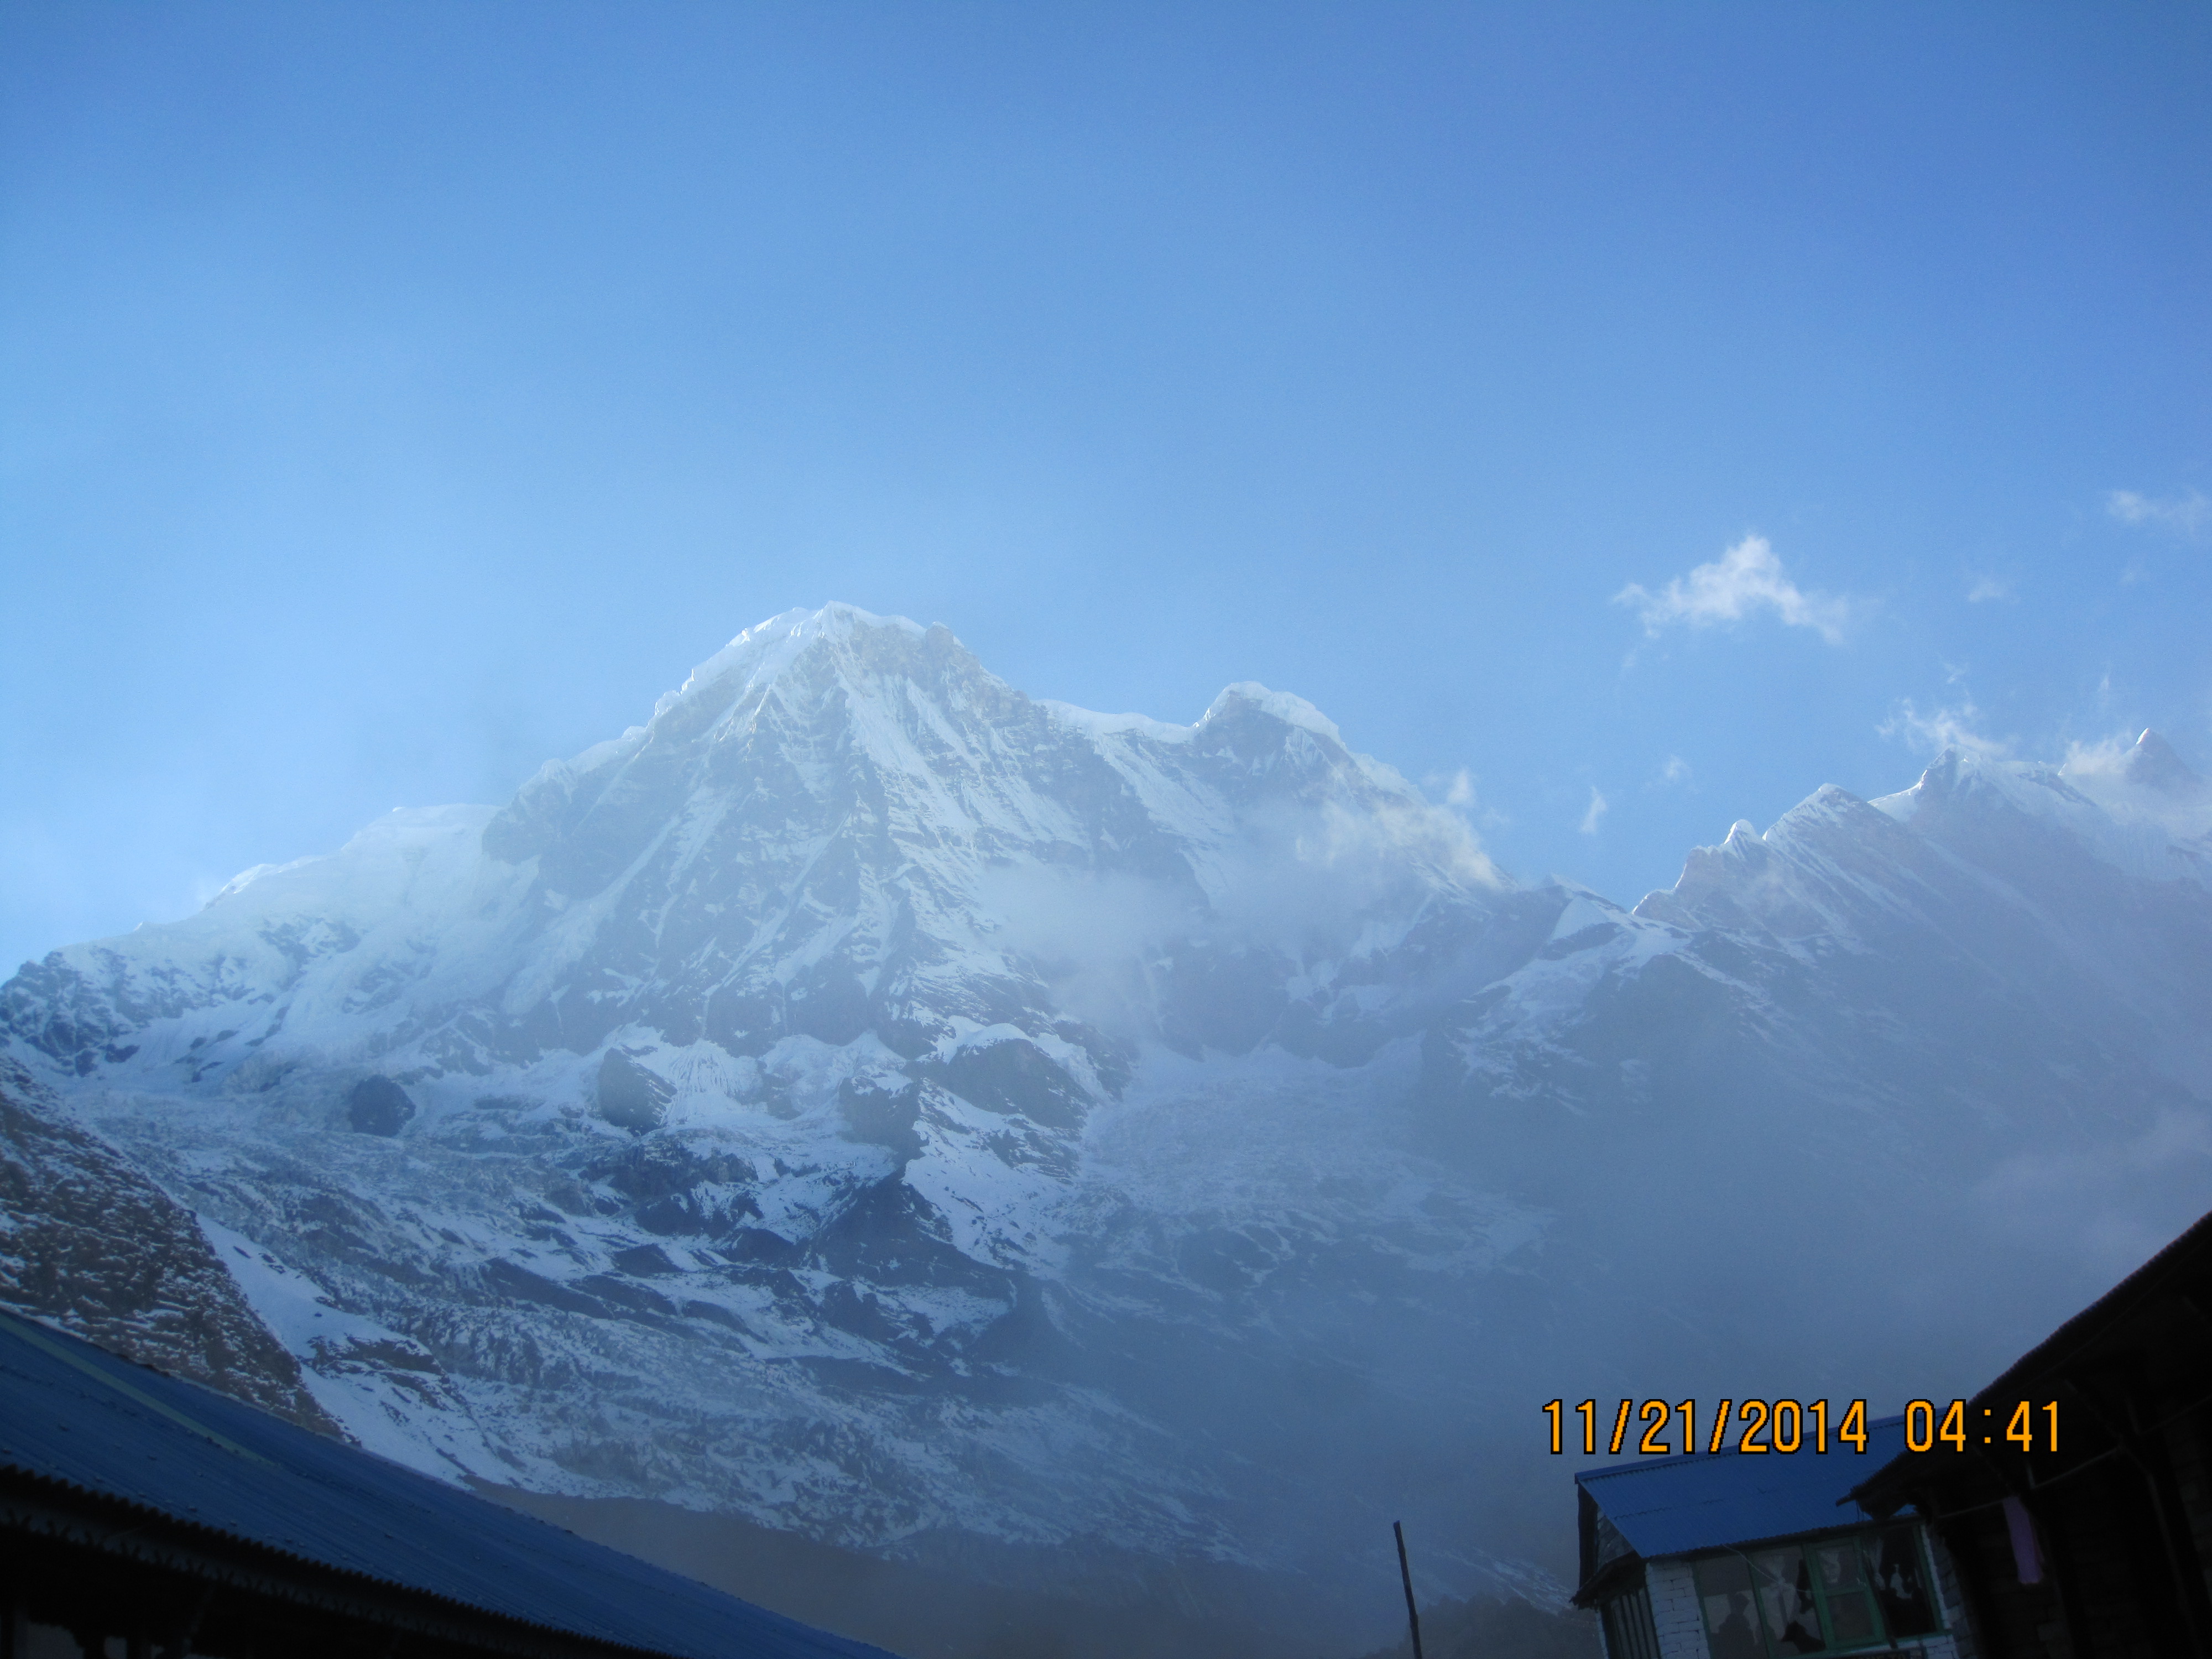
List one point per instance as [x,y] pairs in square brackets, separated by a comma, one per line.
[1859,1590]
[1629,1631]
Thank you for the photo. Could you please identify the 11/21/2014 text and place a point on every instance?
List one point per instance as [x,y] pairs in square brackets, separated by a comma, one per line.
[1754,1426]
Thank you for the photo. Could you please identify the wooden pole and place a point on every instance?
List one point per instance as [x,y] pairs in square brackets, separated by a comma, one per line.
[1406,1576]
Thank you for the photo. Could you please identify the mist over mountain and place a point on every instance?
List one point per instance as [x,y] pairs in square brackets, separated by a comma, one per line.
[1109,1158]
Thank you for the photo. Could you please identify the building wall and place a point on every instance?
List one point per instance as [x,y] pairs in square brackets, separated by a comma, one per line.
[1674,1610]
[2013,1621]
[1958,1618]
[2100,1546]
[2103,1526]
[2188,1436]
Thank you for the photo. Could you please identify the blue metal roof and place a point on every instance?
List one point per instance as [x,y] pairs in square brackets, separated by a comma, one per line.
[1666,1506]
[74,1414]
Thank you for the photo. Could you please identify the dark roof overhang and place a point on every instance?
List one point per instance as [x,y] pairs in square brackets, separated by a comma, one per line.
[2158,1319]
[126,1532]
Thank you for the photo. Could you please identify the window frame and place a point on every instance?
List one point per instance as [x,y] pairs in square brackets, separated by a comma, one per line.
[1862,1539]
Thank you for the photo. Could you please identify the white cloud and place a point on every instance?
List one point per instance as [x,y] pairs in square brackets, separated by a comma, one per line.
[1457,791]
[1941,728]
[1746,579]
[2188,513]
[1597,811]
[2177,800]
[1989,587]
[2105,758]
[1676,770]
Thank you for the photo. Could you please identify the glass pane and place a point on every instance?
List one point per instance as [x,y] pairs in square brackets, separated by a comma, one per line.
[1851,1619]
[1838,1566]
[1730,1620]
[1731,1615]
[1716,1573]
[1784,1580]
[1899,1582]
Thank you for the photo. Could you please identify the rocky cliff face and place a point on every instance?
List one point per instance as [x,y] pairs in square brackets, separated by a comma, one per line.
[87,1242]
[874,1103]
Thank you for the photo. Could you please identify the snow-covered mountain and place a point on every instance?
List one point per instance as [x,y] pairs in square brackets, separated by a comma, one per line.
[871,1102]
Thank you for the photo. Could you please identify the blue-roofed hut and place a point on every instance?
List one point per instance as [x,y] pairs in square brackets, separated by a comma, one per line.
[1740,1555]
[144,1516]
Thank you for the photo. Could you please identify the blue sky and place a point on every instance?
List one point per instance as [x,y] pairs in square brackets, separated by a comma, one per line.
[393,397]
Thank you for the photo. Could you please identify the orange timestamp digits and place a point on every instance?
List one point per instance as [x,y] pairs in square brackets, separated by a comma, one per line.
[1757,1425]
[2021,1428]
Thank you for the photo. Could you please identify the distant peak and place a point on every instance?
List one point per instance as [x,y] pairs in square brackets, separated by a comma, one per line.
[767,648]
[837,616]
[2153,764]
[836,620]
[1284,706]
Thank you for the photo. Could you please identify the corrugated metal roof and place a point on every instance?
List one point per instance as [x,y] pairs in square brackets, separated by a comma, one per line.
[1675,1506]
[74,1414]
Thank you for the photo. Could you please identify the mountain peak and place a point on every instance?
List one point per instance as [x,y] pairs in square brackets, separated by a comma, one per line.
[2151,764]
[765,650]
[1286,707]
